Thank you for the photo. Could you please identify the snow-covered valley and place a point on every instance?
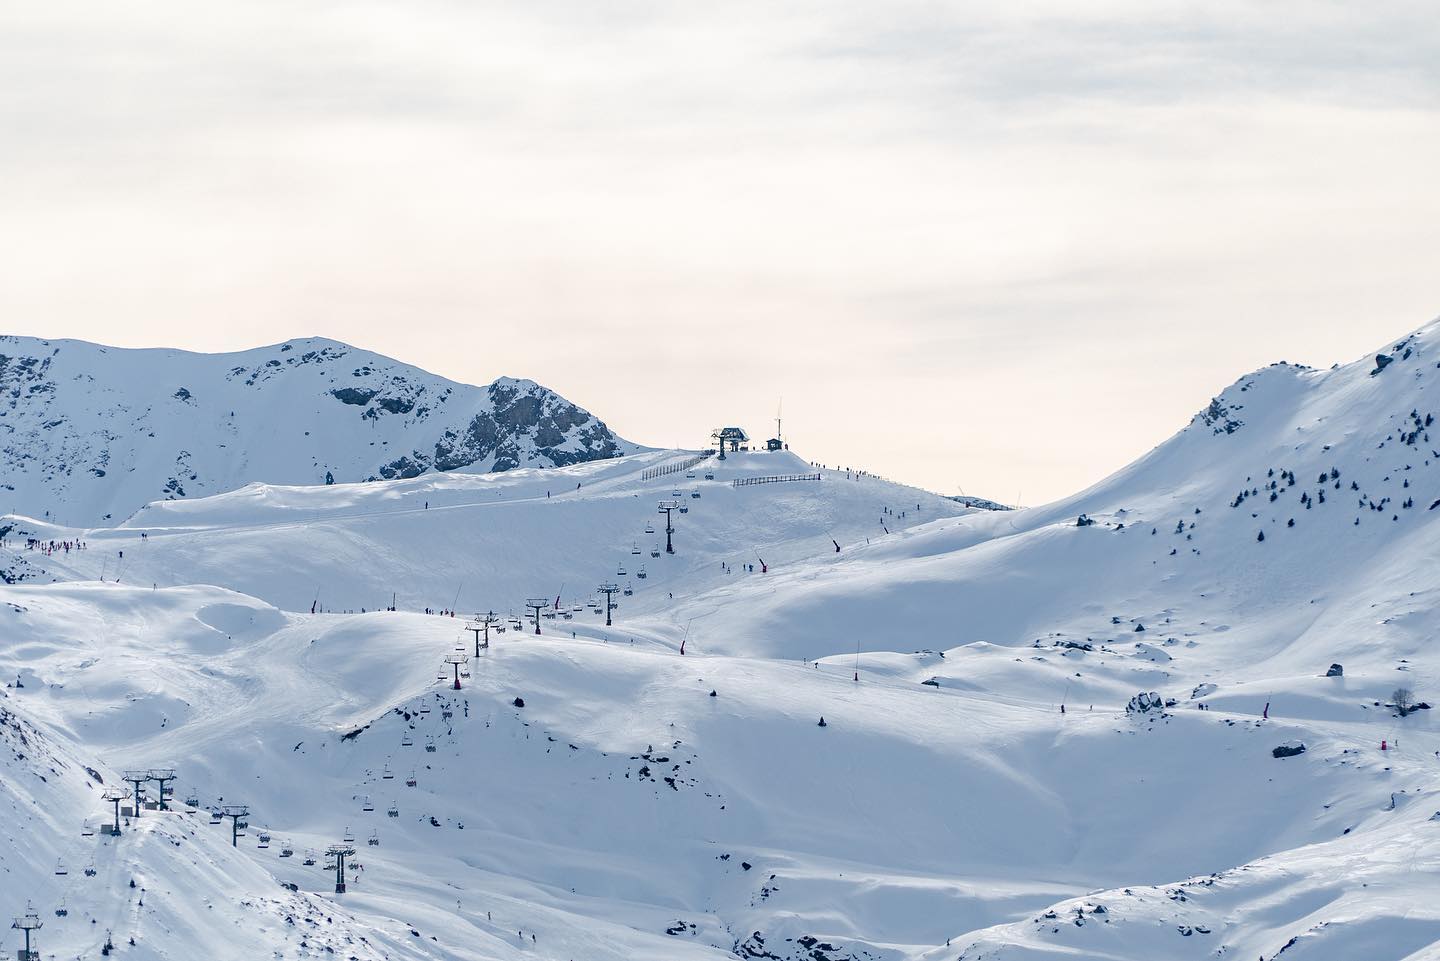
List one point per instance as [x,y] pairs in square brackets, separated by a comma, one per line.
[992,779]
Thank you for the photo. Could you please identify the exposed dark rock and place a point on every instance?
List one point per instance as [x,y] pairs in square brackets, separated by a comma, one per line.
[359,396]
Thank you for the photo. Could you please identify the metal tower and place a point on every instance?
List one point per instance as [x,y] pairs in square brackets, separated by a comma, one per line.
[482,622]
[28,923]
[537,604]
[455,660]
[236,813]
[665,508]
[162,775]
[137,778]
[115,795]
[609,591]
[340,852]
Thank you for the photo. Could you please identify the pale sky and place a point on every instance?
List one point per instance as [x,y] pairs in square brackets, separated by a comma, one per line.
[1002,247]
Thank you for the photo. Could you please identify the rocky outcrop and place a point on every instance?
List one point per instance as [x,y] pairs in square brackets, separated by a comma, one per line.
[90,433]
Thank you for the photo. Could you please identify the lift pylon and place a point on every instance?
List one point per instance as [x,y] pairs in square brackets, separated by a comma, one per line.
[455,660]
[665,508]
[162,776]
[609,591]
[236,813]
[481,623]
[537,604]
[340,852]
[115,795]
[28,922]
[138,779]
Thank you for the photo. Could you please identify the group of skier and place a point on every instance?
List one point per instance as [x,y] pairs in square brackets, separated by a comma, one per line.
[51,547]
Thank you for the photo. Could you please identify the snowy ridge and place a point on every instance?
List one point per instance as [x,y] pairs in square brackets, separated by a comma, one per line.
[596,793]
[90,432]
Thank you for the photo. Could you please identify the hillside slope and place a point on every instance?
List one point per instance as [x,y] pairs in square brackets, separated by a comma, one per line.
[90,432]
[986,784]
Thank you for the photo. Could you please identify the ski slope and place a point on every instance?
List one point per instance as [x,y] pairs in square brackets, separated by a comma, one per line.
[947,808]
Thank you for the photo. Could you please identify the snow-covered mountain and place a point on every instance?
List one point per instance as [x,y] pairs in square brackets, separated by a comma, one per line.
[1123,726]
[91,433]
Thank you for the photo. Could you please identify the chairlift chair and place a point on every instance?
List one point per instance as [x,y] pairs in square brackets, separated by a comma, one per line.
[629,591]
[655,551]
[649,528]
[86,831]
[61,911]
[424,708]
[684,509]
[635,549]
[620,572]
[287,851]
[374,840]
[410,781]
[367,806]
[675,494]
[264,841]
[429,745]
[328,866]
[709,476]
[690,475]
[192,804]
[389,775]
[90,870]
[641,572]
[309,861]
[407,741]
[695,493]
[60,868]
[215,817]
[393,811]
[348,836]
